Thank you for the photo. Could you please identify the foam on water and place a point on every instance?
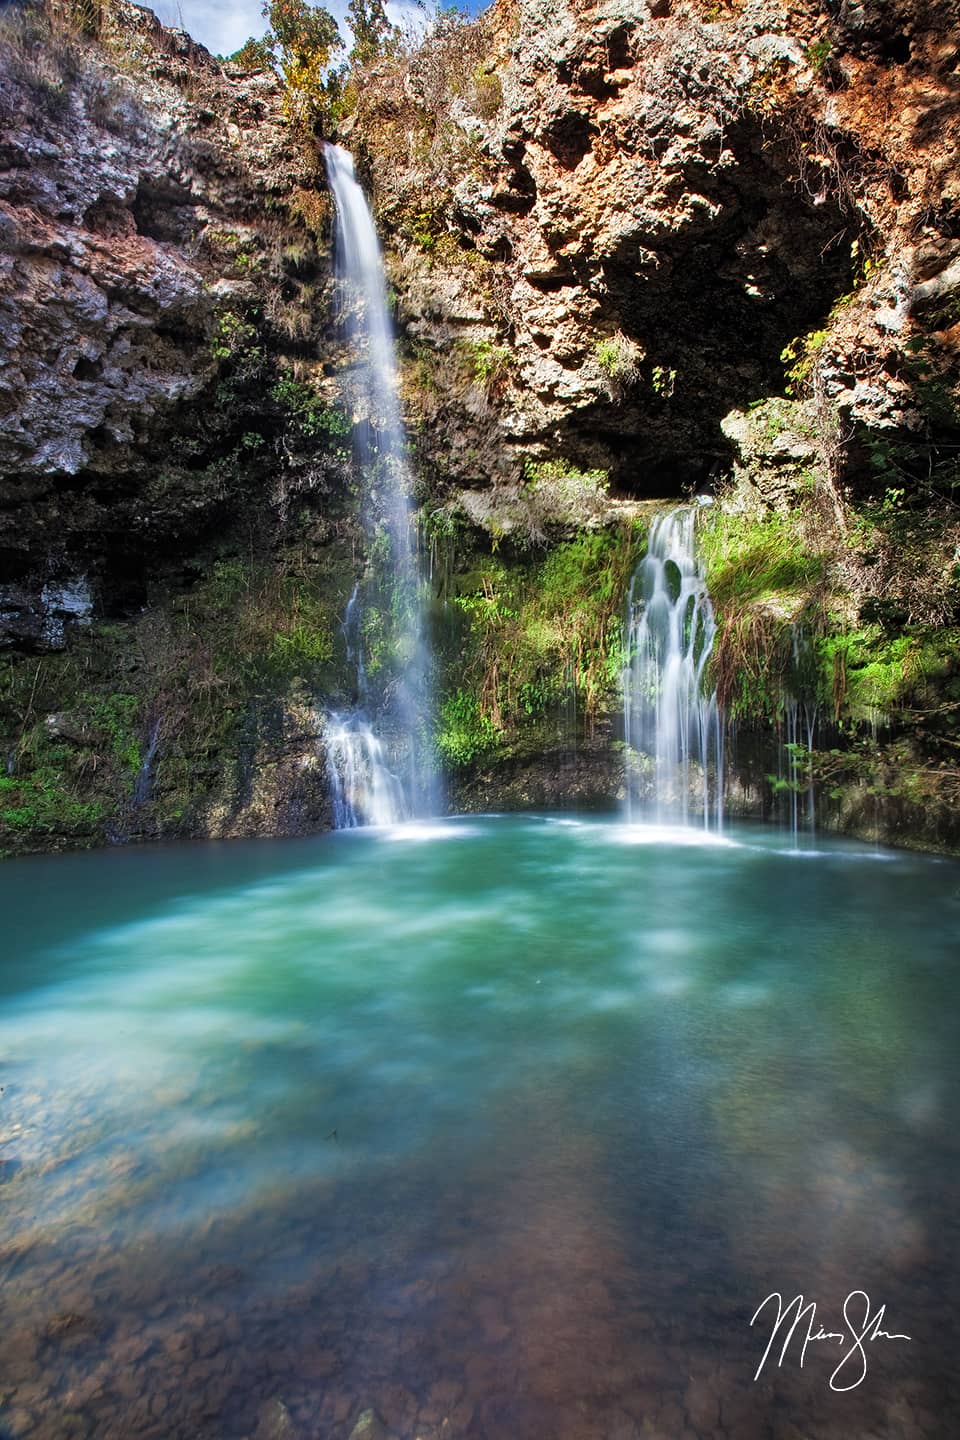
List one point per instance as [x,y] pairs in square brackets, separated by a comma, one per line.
[672,835]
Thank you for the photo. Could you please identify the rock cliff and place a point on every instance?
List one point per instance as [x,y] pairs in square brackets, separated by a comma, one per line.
[156,255]
[643,205]
[667,247]
[636,249]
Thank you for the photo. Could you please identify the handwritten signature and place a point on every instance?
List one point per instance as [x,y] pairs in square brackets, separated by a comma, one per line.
[860,1329]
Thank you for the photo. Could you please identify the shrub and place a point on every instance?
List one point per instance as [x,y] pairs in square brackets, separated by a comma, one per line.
[488,363]
[464,733]
[310,414]
[487,93]
[619,358]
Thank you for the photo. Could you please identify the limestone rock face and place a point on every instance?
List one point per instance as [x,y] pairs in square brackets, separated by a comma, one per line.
[138,260]
[704,183]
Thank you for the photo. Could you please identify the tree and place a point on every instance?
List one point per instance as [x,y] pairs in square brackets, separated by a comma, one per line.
[305,35]
[254,55]
[371,29]
[300,44]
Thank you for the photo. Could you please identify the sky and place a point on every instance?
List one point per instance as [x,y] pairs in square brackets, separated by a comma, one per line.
[223,25]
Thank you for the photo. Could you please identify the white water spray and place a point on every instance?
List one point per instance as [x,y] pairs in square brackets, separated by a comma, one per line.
[378,756]
[672,726]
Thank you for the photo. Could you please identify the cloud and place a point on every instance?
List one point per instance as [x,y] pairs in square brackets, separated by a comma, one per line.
[221,26]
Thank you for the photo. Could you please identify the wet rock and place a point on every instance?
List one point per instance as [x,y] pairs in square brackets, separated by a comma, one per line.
[18,1421]
[442,1398]
[318,1364]
[622,1427]
[67,1325]
[41,616]
[274,1422]
[399,1408]
[702,1403]
[20,1356]
[74,1426]
[369,1426]
[179,1346]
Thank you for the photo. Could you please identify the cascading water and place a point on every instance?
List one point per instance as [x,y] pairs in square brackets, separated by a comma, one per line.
[668,717]
[378,753]
[798,746]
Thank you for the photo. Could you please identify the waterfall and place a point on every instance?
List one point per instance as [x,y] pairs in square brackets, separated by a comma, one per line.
[363,788]
[378,754]
[799,743]
[143,785]
[672,726]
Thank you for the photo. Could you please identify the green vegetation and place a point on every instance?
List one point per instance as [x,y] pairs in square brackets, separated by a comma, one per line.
[487,93]
[762,558]
[799,358]
[856,617]
[372,31]
[69,771]
[300,46]
[251,636]
[116,717]
[619,358]
[557,491]
[663,380]
[818,52]
[867,674]
[312,417]
[488,364]
[271,628]
[464,732]
[784,628]
[41,804]
[236,345]
[531,634]
[409,112]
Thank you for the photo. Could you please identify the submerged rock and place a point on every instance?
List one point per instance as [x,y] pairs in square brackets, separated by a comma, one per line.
[369,1426]
[275,1422]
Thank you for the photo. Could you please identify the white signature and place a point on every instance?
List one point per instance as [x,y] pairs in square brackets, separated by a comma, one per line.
[861,1330]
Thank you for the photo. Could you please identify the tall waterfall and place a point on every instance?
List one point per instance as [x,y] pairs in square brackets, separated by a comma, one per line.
[378,753]
[672,726]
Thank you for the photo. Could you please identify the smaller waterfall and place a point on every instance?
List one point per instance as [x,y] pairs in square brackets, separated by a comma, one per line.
[143,785]
[668,717]
[799,742]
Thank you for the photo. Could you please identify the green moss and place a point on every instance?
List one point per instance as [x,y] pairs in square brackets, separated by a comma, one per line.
[116,717]
[534,633]
[41,802]
[764,556]
[869,674]
[211,666]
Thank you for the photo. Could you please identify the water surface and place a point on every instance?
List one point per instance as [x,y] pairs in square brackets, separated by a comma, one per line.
[501,1127]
